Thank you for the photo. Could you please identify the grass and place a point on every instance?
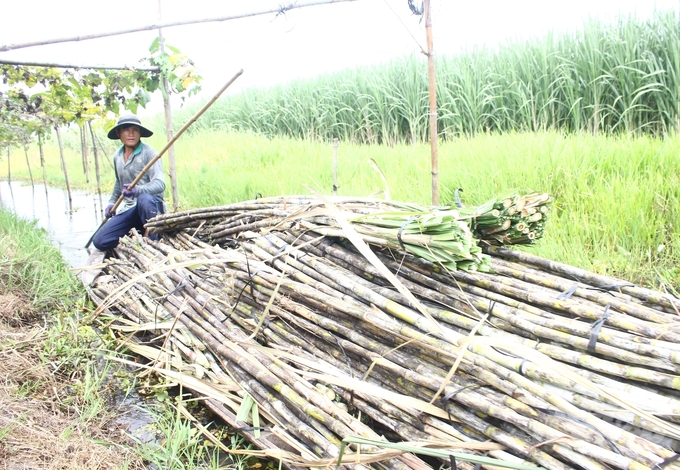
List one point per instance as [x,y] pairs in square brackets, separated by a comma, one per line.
[615,199]
[28,262]
[58,383]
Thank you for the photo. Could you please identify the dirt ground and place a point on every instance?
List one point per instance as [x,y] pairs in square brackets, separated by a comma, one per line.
[37,429]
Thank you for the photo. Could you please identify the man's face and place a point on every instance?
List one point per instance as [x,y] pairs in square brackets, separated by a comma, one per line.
[129,135]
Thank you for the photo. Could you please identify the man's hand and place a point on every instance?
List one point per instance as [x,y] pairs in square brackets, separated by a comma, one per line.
[107,211]
[129,192]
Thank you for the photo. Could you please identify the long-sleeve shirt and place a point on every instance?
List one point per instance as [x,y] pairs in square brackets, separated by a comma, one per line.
[152,182]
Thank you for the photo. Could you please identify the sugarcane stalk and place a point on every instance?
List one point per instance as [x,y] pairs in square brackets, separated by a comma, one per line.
[367,335]
[497,411]
[588,277]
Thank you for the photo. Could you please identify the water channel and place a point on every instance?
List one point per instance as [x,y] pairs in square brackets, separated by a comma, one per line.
[69,229]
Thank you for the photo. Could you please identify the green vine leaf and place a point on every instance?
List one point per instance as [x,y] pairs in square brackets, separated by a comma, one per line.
[80,95]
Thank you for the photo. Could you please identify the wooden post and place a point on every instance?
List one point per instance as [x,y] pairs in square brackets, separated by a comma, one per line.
[101,146]
[433,104]
[63,166]
[168,123]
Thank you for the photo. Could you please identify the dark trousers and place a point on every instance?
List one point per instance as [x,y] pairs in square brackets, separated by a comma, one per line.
[119,225]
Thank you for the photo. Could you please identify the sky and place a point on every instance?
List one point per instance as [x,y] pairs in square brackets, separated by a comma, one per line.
[306,42]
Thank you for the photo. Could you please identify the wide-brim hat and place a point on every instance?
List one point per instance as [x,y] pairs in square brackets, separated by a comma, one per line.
[127,120]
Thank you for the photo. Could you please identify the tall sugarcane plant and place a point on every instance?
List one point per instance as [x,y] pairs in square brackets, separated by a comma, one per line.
[606,78]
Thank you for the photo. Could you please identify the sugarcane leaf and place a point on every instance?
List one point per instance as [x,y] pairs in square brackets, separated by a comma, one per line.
[419,448]
[244,409]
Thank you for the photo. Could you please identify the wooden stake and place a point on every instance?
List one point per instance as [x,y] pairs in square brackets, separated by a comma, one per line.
[101,146]
[85,153]
[42,165]
[433,104]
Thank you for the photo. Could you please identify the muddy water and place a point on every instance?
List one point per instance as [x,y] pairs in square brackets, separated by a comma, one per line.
[69,230]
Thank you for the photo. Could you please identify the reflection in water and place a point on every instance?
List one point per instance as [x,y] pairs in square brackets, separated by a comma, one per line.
[68,230]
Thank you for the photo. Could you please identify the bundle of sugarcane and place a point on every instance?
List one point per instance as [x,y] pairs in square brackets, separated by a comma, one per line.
[514,219]
[195,319]
[535,361]
[442,235]
[439,235]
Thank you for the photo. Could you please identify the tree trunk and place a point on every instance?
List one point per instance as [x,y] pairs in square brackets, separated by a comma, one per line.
[63,166]
[169,135]
[85,152]
[9,168]
[42,164]
[96,169]
[28,165]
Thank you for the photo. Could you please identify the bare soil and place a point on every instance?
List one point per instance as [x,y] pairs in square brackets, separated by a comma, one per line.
[37,429]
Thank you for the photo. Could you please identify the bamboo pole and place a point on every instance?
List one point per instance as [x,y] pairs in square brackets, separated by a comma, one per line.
[28,165]
[101,146]
[84,153]
[42,165]
[278,10]
[78,66]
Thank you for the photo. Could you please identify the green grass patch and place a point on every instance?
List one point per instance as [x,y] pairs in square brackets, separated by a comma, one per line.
[28,262]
